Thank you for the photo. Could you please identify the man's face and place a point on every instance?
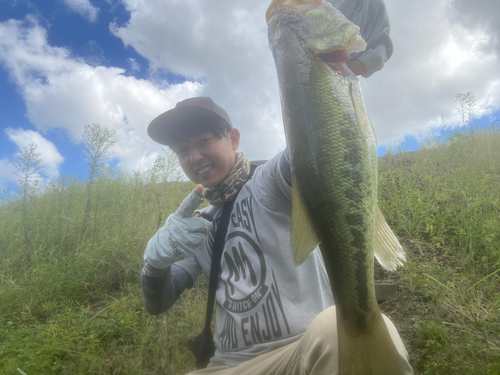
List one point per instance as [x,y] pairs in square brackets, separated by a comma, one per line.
[207,160]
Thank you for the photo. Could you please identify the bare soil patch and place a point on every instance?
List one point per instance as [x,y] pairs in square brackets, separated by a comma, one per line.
[410,306]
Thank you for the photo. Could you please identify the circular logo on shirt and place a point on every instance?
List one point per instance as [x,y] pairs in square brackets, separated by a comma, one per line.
[244,273]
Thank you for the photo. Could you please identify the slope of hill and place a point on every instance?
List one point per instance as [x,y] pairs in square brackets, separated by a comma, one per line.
[70,293]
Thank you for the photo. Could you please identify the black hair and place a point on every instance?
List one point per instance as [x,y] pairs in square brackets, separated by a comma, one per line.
[182,133]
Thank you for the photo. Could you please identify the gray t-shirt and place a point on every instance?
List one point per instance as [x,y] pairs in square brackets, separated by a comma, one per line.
[373,21]
[263,301]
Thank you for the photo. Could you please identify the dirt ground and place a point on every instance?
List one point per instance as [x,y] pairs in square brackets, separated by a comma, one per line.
[408,308]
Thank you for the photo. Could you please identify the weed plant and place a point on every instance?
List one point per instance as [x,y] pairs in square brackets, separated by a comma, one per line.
[70,299]
[446,199]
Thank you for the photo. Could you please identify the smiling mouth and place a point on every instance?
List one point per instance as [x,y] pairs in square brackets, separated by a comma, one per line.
[203,170]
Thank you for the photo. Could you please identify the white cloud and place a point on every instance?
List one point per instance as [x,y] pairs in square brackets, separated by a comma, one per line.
[61,91]
[435,58]
[479,16]
[50,158]
[225,45]
[84,8]
[222,47]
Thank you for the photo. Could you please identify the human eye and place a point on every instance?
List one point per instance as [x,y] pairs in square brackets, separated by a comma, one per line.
[179,151]
[205,140]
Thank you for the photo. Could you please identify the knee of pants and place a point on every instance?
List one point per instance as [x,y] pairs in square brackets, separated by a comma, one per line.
[322,331]
[322,339]
[319,345]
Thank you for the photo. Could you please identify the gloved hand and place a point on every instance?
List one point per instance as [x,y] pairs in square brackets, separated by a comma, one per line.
[180,237]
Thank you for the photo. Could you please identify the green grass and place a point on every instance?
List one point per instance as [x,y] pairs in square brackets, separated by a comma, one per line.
[70,299]
[445,200]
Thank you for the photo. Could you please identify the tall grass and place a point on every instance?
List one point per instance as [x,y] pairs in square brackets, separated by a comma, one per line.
[70,302]
[446,199]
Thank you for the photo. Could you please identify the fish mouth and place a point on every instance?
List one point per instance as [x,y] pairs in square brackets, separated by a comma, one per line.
[336,35]
[336,60]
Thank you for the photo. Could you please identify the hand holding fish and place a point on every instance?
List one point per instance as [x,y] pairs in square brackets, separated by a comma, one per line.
[357,67]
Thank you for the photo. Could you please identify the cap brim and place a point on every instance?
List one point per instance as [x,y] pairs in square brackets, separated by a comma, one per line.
[163,126]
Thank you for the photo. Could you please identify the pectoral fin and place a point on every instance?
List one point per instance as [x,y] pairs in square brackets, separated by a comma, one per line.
[387,249]
[304,238]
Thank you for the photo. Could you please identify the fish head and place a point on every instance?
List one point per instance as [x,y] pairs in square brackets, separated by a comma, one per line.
[318,26]
[300,5]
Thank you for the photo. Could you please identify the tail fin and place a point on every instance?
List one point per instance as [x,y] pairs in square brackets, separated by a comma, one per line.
[372,352]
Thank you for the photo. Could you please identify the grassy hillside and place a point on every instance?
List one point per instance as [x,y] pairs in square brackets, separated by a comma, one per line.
[444,203]
[70,294]
[70,299]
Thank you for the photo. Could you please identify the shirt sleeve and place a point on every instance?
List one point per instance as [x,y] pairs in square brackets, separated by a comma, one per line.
[276,176]
[190,265]
[376,32]
[284,174]
[373,20]
[162,287]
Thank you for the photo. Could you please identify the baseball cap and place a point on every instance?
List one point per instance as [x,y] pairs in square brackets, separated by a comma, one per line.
[193,113]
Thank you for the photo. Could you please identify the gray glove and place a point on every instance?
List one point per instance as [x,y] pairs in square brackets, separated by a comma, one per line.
[180,237]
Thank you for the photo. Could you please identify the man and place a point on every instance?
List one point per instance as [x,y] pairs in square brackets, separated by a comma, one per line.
[264,304]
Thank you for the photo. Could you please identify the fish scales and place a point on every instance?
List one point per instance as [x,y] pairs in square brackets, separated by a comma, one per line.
[334,173]
[345,215]
[344,204]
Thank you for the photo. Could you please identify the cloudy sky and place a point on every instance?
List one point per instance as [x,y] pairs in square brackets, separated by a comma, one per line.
[120,63]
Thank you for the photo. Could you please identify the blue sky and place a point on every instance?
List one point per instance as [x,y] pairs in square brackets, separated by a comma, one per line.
[120,63]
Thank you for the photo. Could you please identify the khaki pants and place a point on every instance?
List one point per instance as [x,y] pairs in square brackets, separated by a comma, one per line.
[314,353]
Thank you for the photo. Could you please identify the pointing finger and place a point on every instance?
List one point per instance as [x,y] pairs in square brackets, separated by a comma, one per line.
[199,190]
[190,204]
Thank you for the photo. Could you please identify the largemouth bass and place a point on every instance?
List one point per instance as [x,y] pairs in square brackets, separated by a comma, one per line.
[334,173]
